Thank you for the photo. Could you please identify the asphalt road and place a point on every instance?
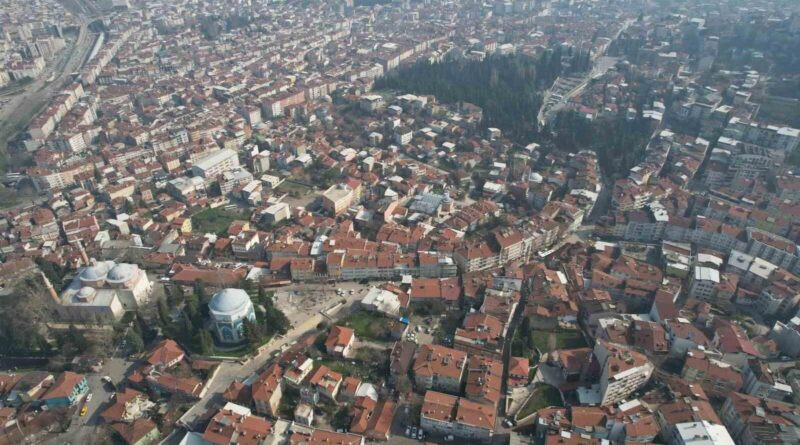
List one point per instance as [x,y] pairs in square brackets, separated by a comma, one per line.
[85,429]
[302,304]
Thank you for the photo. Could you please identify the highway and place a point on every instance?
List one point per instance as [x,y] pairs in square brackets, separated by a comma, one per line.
[22,107]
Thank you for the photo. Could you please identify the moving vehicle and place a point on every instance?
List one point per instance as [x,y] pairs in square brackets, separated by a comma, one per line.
[84,410]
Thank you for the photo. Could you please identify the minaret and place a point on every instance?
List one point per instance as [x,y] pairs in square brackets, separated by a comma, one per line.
[84,257]
[50,289]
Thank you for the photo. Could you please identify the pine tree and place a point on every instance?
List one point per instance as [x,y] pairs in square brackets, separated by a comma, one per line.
[205,342]
[135,341]
[163,312]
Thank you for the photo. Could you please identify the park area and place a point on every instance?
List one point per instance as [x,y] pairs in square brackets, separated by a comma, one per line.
[548,341]
[541,397]
[217,220]
[368,364]
[294,188]
[530,342]
[369,326]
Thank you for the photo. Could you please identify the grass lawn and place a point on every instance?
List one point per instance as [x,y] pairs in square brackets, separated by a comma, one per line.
[289,186]
[542,397]
[369,326]
[215,220]
[355,368]
[289,400]
[560,340]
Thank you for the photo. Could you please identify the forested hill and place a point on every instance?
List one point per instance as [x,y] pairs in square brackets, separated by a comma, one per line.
[506,87]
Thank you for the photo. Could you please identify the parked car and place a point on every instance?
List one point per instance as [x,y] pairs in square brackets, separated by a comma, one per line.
[408,431]
[88,397]
[84,410]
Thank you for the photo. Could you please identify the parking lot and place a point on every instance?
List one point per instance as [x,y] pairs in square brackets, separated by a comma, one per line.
[422,329]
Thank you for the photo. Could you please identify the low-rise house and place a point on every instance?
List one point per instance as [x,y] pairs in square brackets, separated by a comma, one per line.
[324,381]
[382,301]
[481,334]
[128,405]
[518,370]
[68,388]
[266,391]
[235,424]
[340,341]
[141,431]
[372,419]
[166,354]
[400,361]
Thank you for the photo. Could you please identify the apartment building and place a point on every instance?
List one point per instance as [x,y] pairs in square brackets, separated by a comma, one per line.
[445,415]
[215,163]
[337,198]
[623,371]
[752,421]
[689,433]
[717,378]
[439,368]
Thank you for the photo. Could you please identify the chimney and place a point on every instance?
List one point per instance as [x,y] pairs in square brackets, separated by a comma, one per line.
[50,289]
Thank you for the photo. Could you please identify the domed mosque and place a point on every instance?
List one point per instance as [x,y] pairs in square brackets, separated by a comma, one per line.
[103,291]
[228,309]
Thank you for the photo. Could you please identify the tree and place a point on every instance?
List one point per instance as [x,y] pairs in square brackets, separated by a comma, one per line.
[253,332]
[505,87]
[205,342]
[163,312]
[341,419]
[172,296]
[135,341]
[262,294]
[54,272]
[73,342]
[199,290]
[245,284]
[275,321]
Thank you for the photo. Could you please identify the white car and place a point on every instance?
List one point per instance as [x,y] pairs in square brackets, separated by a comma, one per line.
[88,397]
[408,431]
